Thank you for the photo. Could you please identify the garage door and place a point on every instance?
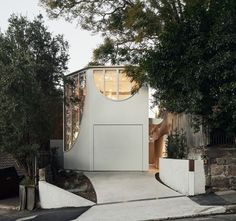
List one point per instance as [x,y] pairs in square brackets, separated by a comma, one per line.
[117,147]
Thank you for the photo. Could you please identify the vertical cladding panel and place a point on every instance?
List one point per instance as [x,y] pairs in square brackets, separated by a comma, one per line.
[118,147]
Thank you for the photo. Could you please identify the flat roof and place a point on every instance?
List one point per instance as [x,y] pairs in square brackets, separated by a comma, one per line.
[95,67]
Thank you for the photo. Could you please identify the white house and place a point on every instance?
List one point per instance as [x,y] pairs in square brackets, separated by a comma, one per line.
[105,124]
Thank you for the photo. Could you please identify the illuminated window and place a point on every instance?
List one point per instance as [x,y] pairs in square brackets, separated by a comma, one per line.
[75,91]
[111,84]
[114,84]
[125,86]
[99,80]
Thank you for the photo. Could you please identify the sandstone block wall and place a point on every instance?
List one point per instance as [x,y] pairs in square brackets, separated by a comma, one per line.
[220,166]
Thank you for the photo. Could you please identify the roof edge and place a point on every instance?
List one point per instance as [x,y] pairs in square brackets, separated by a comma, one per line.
[93,67]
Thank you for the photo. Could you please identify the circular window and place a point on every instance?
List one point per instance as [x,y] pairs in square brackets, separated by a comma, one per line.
[114,84]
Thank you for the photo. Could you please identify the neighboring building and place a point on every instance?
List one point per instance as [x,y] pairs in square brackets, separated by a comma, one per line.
[105,124]
[6,160]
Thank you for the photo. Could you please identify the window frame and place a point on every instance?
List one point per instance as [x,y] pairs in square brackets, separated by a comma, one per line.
[118,72]
[76,77]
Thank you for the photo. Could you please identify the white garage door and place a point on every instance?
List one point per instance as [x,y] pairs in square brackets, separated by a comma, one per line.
[118,147]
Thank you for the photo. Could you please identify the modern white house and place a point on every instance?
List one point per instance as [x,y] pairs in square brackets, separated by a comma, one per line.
[105,124]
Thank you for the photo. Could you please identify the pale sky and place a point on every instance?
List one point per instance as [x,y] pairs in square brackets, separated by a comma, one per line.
[81,42]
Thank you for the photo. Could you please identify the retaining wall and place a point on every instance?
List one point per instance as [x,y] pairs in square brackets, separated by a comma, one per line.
[184,176]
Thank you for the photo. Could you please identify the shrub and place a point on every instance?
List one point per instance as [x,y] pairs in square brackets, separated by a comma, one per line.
[176,145]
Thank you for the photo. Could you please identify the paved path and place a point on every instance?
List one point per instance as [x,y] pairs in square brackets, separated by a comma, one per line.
[10,203]
[113,187]
[148,210]
[224,217]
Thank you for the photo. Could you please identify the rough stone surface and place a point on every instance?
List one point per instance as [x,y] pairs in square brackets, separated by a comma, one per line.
[217,169]
[220,183]
[220,161]
[232,170]
[233,182]
[220,166]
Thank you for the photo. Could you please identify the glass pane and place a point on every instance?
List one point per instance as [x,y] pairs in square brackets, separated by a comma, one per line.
[125,86]
[107,84]
[111,84]
[75,92]
[75,109]
[99,80]
[68,138]
[82,94]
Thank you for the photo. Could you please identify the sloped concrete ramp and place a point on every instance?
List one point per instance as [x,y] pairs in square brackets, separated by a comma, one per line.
[114,187]
[149,210]
[52,196]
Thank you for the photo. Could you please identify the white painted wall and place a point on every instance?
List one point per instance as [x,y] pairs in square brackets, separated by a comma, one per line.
[99,110]
[54,197]
[175,174]
[116,149]
[199,177]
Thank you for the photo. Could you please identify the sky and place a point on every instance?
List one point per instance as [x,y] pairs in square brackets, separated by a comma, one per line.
[81,42]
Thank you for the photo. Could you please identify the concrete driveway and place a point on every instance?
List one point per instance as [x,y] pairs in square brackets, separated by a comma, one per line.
[139,196]
[113,187]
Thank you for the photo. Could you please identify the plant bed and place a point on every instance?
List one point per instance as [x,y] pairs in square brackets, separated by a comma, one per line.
[77,183]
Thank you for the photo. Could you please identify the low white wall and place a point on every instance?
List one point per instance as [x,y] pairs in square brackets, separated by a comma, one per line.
[54,197]
[199,177]
[175,174]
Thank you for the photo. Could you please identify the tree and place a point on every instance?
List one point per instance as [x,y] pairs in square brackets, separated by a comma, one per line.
[32,63]
[185,49]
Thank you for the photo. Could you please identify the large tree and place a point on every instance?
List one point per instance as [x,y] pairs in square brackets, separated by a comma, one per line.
[32,63]
[185,49]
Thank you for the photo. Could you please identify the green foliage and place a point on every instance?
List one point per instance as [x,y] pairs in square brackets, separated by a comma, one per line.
[27,181]
[185,49]
[193,69]
[176,145]
[32,63]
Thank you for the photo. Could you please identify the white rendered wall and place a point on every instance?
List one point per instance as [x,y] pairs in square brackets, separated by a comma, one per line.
[100,110]
[54,197]
[78,158]
[200,179]
[118,150]
[175,174]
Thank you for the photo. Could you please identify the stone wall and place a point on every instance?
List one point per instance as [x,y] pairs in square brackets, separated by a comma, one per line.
[220,166]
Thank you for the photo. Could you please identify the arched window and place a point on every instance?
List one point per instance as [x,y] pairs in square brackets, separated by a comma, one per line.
[114,83]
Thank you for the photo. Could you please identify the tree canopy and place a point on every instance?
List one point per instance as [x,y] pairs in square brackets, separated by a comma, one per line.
[32,63]
[185,49]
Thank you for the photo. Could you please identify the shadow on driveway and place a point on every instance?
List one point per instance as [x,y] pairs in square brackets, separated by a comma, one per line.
[63,214]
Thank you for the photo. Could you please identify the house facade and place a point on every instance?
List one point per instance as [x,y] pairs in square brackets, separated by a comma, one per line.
[105,123]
